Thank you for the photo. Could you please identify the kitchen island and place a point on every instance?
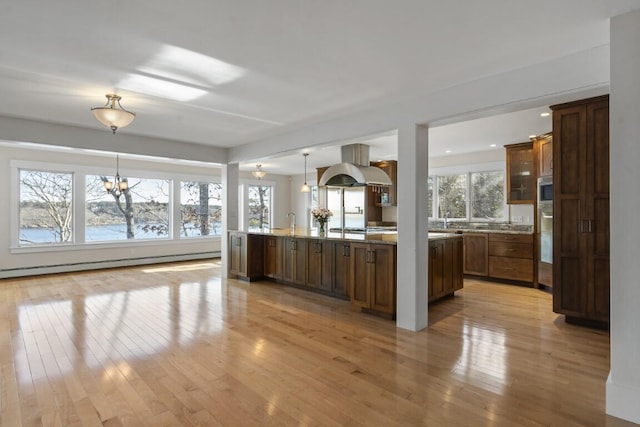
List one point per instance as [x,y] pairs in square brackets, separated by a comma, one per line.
[360,267]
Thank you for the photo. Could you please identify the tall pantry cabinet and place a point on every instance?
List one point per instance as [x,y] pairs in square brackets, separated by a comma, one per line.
[581,211]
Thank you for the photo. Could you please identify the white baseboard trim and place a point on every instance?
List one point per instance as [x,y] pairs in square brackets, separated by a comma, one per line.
[622,401]
[82,266]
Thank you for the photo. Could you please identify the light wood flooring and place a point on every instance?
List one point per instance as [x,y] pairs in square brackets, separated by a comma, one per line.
[174,345]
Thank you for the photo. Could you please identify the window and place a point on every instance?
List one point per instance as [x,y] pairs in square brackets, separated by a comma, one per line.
[200,209]
[487,195]
[46,211]
[452,196]
[140,212]
[430,197]
[314,203]
[470,196]
[259,207]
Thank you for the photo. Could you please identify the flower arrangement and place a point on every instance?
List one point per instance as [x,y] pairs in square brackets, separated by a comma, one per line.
[321,215]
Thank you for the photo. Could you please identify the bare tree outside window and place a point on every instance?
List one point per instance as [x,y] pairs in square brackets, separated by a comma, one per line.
[259,207]
[45,207]
[200,209]
[139,212]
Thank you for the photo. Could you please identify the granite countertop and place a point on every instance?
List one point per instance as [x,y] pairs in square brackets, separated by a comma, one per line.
[477,230]
[374,237]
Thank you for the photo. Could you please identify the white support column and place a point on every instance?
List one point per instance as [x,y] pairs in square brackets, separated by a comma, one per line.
[623,384]
[230,182]
[413,159]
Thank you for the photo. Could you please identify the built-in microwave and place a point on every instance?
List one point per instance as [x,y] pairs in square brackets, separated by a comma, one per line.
[545,190]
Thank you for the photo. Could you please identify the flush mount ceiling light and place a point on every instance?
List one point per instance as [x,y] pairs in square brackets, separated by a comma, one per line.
[113,116]
[258,173]
[305,187]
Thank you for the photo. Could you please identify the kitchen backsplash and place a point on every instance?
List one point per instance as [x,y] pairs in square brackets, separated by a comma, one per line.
[472,225]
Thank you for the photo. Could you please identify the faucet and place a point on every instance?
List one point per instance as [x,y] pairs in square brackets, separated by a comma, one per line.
[446,220]
[292,215]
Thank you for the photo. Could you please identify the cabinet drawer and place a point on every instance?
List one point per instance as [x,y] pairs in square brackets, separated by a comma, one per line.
[511,238]
[512,250]
[511,268]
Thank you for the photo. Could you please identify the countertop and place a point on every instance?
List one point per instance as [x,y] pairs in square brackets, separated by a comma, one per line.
[476,230]
[386,237]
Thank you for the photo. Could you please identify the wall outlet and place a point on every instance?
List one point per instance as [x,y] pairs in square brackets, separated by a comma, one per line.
[517,218]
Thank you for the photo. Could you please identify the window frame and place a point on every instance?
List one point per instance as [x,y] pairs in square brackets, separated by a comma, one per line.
[80,173]
[244,185]
[467,170]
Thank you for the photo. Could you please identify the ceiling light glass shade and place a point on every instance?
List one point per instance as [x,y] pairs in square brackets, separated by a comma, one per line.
[258,173]
[112,115]
[305,188]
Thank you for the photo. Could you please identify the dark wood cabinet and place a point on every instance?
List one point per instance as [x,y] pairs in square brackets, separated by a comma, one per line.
[476,254]
[245,255]
[387,196]
[273,257]
[581,210]
[373,277]
[511,256]
[521,174]
[294,260]
[341,268]
[445,267]
[319,264]
[544,151]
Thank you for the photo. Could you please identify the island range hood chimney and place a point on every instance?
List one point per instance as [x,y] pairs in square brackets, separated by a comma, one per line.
[355,170]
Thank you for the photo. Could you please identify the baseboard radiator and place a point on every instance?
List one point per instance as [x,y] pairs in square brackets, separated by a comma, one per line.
[96,265]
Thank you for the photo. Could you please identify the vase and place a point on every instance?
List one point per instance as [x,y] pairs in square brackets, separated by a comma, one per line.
[321,223]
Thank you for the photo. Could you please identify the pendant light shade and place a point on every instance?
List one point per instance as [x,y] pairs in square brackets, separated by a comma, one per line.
[305,187]
[112,115]
[258,173]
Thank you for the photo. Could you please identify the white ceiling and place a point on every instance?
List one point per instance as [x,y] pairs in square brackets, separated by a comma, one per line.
[246,70]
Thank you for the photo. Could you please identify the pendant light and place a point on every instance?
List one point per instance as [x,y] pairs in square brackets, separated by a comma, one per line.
[119,185]
[305,187]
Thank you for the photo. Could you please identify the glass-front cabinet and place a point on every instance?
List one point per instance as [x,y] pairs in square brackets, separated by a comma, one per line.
[521,177]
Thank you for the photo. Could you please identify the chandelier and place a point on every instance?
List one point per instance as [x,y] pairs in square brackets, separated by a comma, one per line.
[113,116]
[119,185]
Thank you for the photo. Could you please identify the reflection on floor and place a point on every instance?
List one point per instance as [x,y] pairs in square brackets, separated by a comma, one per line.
[176,345]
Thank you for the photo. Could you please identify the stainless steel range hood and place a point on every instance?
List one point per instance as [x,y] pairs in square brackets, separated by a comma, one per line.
[355,170]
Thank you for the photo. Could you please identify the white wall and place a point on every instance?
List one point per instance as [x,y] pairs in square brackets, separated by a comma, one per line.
[301,202]
[623,385]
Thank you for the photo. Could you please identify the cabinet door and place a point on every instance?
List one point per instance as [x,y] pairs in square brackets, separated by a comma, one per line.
[436,253]
[342,268]
[314,263]
[545,156]
[318,264]
[238,251]
[476,254]
[569,211]
[597,208]
[294,261]
[520,174]
[383,278]
[359,275]
[326,280]
[273,257]
[456,263]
